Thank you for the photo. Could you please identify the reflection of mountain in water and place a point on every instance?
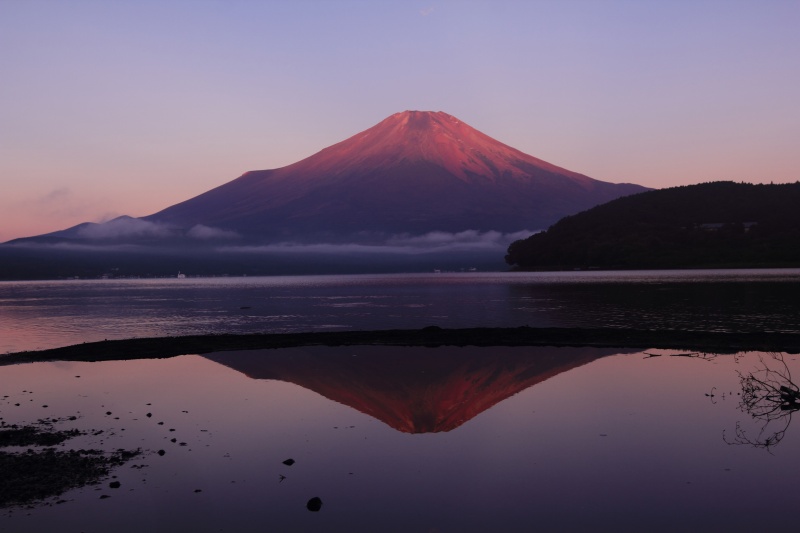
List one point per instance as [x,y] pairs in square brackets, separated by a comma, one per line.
[414,390]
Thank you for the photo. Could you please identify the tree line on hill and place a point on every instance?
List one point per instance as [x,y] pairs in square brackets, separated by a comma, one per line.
[709,225]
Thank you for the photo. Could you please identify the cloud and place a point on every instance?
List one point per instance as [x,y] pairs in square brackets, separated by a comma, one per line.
[463,239]
[427,11]
[55,195]
[83,247]
[202,232]
[124,227]
[433,242]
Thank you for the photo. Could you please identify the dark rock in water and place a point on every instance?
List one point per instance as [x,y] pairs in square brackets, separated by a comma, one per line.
[314,504]
[104,496]
[161,452]
[289,462]
[114,484]
[149,415]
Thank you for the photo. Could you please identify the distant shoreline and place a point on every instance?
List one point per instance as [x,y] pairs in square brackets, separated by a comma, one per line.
[432,336]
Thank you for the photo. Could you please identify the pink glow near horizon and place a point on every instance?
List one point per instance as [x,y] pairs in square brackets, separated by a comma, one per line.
[129,107]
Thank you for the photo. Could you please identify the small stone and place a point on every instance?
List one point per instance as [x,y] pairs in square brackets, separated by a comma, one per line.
[314,504]
[289,462]
[161,452]
[149,415]
[114,484]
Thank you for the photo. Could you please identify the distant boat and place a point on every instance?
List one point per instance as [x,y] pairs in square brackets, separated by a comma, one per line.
[181,275]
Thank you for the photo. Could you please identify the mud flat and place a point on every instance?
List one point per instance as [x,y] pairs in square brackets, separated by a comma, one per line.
[432,336]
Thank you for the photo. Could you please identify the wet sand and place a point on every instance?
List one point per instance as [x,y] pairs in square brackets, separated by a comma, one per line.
[432,336]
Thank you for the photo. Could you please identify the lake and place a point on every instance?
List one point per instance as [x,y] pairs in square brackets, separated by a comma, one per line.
[413,439]
[38,315]
[405,439]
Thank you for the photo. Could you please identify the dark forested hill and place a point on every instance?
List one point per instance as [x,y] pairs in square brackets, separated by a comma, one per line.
[718,224]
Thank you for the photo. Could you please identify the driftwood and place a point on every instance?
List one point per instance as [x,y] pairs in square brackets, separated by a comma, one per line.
[770,396]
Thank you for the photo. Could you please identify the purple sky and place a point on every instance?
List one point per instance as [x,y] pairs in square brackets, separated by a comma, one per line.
[127,107]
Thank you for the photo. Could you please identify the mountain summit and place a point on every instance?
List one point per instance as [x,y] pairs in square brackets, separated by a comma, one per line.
[413,173]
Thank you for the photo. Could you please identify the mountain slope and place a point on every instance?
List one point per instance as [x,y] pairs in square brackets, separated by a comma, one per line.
[413,173]
[719,224]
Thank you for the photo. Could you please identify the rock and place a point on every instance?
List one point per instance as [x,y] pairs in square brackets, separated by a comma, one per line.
[289,462]
[314,504]
[161,452]
[114,484]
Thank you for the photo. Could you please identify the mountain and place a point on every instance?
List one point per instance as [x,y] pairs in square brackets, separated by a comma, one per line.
[413,173]
[419,191]
[717,224]
[413,390]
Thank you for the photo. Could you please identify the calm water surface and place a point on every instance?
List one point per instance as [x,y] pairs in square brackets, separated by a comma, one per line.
[413,440]
[35,315]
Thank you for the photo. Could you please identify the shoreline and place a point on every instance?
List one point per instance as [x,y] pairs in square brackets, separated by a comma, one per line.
[431,336]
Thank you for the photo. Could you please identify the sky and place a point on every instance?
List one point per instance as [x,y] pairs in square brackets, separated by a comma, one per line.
[126,107]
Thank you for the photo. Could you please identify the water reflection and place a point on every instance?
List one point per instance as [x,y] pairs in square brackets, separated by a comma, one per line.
[597,440]
[414,391]
[744,306]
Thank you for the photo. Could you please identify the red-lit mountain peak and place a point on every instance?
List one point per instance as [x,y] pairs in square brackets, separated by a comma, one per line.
[431,137]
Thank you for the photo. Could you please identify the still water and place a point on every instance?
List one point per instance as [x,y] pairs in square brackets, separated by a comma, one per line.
[414,440]
[37,315]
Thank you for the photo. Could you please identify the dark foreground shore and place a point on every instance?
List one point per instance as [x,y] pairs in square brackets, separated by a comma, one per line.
[431,336]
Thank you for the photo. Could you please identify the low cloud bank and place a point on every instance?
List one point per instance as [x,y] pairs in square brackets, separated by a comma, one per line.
[206,233]
[433,242]
[124,227]
[128,228]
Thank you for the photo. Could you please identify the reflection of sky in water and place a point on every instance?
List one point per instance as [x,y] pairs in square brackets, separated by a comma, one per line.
[622,443]
[49,314]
